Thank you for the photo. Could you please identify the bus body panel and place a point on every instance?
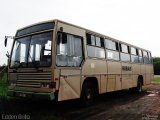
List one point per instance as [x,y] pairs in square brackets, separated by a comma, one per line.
[136,72]
[114,76]
[111,75]
[126,75]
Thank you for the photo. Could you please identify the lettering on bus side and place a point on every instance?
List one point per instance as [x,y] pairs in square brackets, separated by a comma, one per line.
[126,68]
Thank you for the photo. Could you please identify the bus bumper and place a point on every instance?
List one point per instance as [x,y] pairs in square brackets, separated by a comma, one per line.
[32,95]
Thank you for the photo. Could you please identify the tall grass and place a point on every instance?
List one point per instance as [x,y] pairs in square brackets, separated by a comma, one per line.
[3,86]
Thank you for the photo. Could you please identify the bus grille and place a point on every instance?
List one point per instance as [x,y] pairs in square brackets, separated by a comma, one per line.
[32,80]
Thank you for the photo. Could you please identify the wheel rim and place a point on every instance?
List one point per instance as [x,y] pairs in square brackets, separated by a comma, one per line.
[88,94]
[140,87]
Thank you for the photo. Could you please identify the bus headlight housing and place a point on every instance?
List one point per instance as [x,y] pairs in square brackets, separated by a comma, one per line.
[48,85]
[12,83]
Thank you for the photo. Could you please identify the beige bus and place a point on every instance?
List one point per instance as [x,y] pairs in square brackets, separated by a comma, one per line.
[60,61]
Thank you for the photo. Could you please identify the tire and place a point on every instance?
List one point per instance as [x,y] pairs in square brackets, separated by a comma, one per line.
[87,94]
[139,87]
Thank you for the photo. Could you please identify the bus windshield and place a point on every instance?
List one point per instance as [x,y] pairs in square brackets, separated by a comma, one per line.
[32,51]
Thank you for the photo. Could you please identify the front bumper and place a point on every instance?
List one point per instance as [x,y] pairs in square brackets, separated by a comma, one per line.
[31,95]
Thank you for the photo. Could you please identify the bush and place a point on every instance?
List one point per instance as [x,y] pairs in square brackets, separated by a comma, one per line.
[3,86]
[156,64]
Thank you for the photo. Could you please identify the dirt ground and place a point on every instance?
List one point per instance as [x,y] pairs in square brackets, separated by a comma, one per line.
[121,105]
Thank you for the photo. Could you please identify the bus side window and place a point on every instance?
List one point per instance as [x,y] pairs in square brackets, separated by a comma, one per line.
[140,56]
[64,38]
[134,55]
[69,50]
[112,50]
[102,42]
[98,42]
[125,53]
[117,47]
[59,37]
[88,37]
[145,57]
[151,61]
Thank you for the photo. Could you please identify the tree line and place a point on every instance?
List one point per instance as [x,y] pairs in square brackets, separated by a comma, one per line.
[156,64]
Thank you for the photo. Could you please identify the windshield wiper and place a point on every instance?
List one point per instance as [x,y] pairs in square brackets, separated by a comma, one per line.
[33,61]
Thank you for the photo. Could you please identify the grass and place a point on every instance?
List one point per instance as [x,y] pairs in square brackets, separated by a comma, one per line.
[3,86]
[156,80]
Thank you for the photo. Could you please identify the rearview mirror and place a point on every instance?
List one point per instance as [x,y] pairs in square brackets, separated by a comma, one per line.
[7,54]
[6,39]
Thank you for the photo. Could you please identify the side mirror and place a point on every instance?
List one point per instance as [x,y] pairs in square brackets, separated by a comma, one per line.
[5,41]
[7,54]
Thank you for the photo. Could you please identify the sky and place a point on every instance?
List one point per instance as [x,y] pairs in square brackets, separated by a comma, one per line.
[133,21]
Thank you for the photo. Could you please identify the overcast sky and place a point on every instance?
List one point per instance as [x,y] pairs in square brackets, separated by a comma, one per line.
[134,21]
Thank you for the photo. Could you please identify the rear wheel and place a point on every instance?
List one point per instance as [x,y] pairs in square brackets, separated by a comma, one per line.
[139,87]
[87,94]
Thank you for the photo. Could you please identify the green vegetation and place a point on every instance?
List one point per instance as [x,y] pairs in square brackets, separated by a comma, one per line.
[3,86]
[156,64]
[156,80]
[35,109]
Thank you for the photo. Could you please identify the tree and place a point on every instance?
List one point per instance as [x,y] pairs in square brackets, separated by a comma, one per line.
[4,64]
[156,64]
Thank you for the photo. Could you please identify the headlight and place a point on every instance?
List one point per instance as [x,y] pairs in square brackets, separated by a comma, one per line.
[13,84]
[48,85]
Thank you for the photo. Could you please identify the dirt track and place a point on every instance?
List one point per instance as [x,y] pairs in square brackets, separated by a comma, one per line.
[121,105]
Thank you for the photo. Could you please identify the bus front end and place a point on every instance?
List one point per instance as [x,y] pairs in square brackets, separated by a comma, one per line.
[30,71]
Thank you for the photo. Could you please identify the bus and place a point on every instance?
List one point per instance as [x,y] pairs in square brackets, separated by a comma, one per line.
[56,60]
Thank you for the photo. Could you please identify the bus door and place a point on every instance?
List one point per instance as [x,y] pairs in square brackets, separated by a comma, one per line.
[69,59]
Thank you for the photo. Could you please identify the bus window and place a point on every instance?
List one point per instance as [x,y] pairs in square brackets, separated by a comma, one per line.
[150,58]
[140,56]
[110,44]
[133,51]
[134,55]
[88,37]
[112,51]
[145,56]
[94,46]
[93,40]
[69,50]
[98,41]
[124,48]
[95,52]
[125,56]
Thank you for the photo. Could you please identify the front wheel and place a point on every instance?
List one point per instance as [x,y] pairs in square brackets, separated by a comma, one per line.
[87,94]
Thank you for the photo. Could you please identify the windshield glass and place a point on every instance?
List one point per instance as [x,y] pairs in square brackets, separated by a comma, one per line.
[32,51]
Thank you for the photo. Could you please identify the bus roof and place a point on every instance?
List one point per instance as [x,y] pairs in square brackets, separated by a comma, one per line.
[87,30]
